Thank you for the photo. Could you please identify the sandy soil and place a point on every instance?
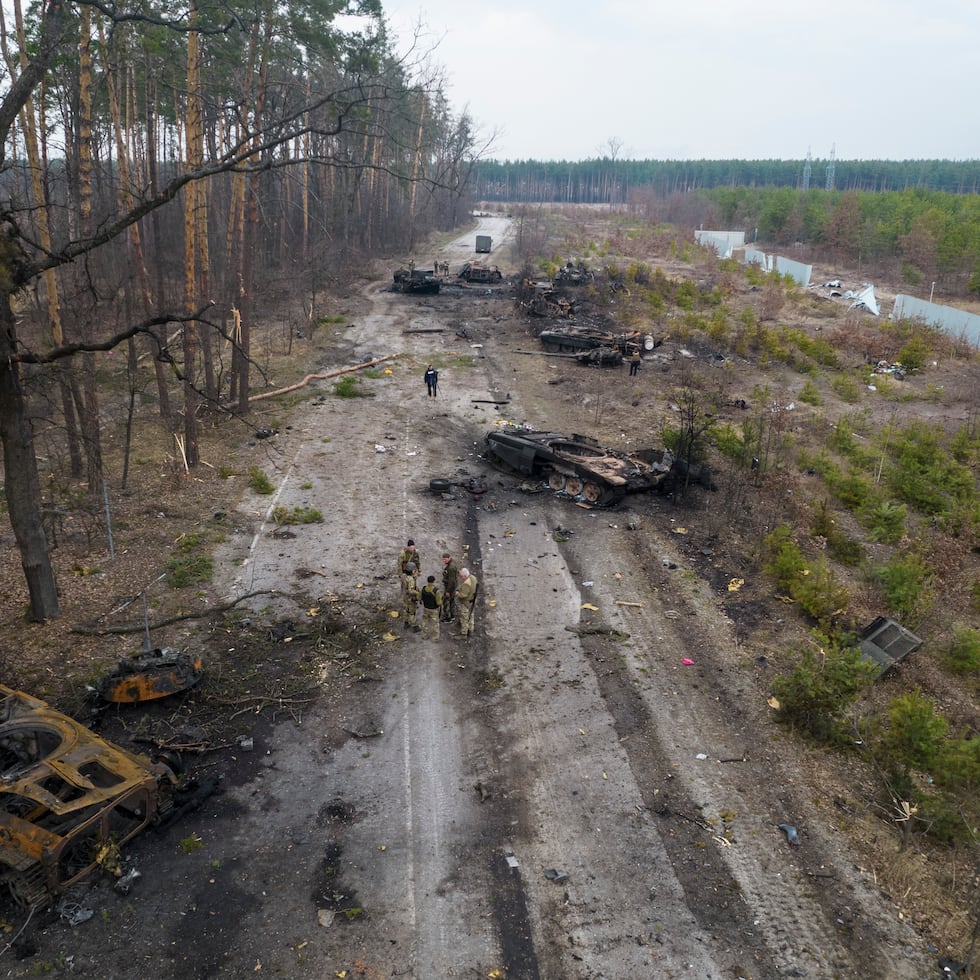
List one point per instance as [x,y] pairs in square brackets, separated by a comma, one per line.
[562,797]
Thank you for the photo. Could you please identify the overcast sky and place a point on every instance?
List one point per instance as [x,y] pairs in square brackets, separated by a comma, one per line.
[693,79]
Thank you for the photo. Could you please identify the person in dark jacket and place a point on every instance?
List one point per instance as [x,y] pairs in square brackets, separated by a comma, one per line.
[431,599]
[431,377]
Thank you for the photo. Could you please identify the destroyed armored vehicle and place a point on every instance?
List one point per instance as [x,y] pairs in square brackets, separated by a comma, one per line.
[571,340]
[416,281]
[69,800]
[577,466]
[600,357]
[480,272]
[149,675]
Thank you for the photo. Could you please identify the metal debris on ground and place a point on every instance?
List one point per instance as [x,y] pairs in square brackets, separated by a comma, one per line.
[150,675]
[792,834]
[553,874]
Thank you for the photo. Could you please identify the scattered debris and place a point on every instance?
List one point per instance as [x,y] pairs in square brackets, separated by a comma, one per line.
[885,642]
[126,882]
[792,834]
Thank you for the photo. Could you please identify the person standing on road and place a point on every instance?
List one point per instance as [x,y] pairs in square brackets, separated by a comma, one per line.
[431,377]
[408,554]
[450,583]
[431,608]
[635,363]
[466,597]
[410,596]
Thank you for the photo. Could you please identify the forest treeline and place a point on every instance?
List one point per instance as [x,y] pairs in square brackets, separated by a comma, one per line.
[913,237]
[609,180]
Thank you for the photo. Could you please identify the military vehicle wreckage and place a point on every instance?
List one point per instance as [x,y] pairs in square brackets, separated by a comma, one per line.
[577,466]
[416,281]
[480,272]
[151,674]
[69,800]
[576,339]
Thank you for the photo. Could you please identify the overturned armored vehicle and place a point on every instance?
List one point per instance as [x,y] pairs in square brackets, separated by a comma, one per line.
[577,466]
[68,799]
[574,339]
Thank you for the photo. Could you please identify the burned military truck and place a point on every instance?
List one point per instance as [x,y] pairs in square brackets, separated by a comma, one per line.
[577,466]
[69,800]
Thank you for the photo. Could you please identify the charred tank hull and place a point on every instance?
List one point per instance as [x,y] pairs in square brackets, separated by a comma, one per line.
[577,466]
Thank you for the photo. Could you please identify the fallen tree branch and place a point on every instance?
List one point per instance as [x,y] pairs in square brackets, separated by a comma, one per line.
[632,605]
[170,620]
[591,629]
[257,708]
[319,377]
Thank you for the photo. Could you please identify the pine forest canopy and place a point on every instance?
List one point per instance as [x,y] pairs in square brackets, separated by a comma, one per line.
[608,180]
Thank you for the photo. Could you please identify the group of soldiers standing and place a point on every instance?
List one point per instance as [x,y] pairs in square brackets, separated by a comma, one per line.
[455,599]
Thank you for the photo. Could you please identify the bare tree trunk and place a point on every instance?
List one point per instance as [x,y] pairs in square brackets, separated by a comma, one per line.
[151,117]
[192,126]
[89,409]
[250,236]
[21,482]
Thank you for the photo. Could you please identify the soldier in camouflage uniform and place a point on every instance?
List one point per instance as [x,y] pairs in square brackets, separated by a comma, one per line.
[410,595]
[450,582]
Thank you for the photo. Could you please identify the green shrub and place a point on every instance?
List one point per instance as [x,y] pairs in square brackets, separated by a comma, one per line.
[349,386]
[885,520]
[925,474]
[914,736]
[816,694]
[811,584]
[963,655]
[958,766]
[296,515]
[188,570]
[853,490]
[731,443]
[784,560]
[914,353]
[810,395]
[906,583]
[259,482]
[844,549]
[847,389]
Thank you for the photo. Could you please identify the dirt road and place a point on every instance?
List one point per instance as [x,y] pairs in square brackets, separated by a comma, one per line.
[561,797]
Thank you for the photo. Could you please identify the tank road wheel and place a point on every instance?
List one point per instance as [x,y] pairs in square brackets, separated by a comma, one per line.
[557,482]
[591,492]
[573,486]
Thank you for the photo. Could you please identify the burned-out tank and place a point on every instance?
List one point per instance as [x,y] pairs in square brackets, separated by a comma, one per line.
[577,466]
[416,281]
[68,799]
